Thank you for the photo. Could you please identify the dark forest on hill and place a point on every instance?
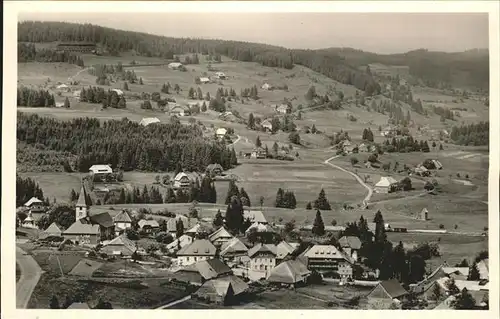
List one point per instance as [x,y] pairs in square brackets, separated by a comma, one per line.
[124,144]
[116,41]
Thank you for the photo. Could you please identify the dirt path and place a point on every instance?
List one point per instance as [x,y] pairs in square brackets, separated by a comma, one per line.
[173,303]
[370,190]
[30,275]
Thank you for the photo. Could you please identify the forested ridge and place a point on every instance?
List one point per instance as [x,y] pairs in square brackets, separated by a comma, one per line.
[115,41]
[28,53]
[469,68]
[124,144]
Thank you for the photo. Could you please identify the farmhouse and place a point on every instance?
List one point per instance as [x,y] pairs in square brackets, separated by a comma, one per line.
[387,291]
[266,125]
[29,222]
[35,205]
[351,246]
[122,222]
[259,228]
[198,250]
[180,111]
[328,259]
[284,109]
[266,86]
[221,132]
[233,251]
[54,229]
[100,169]
[200,272]
[214,170]
[148,225]
[198,103]
[172,224]
[291,272]
[82,233]
[255,216]
[179,243]
[225,290]
[117,91]
[283,249]
[76,94]
[385,184]
[262,258]
[149,120]
[461,284]
[457,273]
[121,246]
[174,65]
[64,88]
[220,237]
[259,153]
[220,75]
[204,80]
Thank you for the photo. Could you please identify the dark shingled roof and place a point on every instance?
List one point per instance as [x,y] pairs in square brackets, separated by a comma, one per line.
[103,219]
[393,288]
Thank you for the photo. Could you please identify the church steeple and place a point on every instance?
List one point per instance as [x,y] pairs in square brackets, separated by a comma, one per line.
[82,205]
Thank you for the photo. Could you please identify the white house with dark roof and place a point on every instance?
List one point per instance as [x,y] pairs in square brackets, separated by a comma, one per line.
[148,225]
[326,259]
[122,221]
[284,109]
[267,125]
[233,250]
[262,258]
[100,169]
[121,246]
[35,205]
[220,236]
[351,246]
[198,250]
[385,184]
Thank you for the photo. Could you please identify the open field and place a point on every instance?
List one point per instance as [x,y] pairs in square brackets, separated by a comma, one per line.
[56,185]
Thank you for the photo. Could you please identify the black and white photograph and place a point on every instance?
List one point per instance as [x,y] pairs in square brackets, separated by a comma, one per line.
[230,159]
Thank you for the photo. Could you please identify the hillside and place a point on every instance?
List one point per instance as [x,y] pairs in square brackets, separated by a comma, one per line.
[436,69]
[118,41]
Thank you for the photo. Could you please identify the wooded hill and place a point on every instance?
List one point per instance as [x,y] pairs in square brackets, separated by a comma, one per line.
[117,41]
[469,68]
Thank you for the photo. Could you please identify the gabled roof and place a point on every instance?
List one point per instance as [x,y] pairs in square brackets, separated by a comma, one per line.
[79,305]
[186,222]
[386,181]
[204,79]
[461,284]
[352,242]
[464,271]
[260,228]
[266,123]
[221,131]
[324,251]
[233,246]
[255,215]
[182,241]
[262,248]
[214,166]
[103,219]
[54,228]
[289,272]
[212,268]
[483,267]
[101,167]
[220,233]
[153,223]
[223,286]
[118,91]
[200,247]
[82,228]
[122,217]
[284,249]
[82,198]
[122,241]
[180,176]
[149,120]
[32,201]
[393,288]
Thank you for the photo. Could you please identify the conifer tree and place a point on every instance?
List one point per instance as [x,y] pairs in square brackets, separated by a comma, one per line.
[322,202]
[474,274]
[318,225]
[66,103]
[218,219]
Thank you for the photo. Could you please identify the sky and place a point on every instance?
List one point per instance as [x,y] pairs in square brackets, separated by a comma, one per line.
[374,32]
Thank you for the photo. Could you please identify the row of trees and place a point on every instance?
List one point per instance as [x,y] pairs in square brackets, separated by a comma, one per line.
[97,95]
[29,53]
[320,203]
[126,145]
[26,188]
[34,98]
[285,199]
[406,145]
[472,134]
[327,63]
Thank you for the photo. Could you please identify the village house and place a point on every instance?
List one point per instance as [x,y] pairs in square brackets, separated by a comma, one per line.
[351,246]
[220,75]
[54,230]
[180,110]
[259,228]
[284,109]
[174,65]
[259,153]
[35,205]
[266,86]
[184,180]
[457,273]
[63,88]
[385,184]
[29,222]
[267,125]
[204,80]
[172,224]
[82,233]
[476,285]
[76,94]
[198,250]
[214,170]
[117,91]
[328,259]
[221,133]
[202,271]
[122,222]
[421,171]
[148,225]
[289,273]
[220,236]
[196,103]
[262,259]
[255,216]
[387,292]
[226,290]
[283,250]
[149,120]
[120,246]
[233,251]
[484,269]
[100,170]
[423,215]
[179,243]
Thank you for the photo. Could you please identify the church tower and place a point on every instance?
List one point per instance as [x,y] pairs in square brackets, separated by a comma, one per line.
[82,205]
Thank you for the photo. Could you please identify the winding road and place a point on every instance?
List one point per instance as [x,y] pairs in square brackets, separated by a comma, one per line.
[30,275]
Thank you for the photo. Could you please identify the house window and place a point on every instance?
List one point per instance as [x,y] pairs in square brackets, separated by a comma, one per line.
[187,259]
[261,267]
